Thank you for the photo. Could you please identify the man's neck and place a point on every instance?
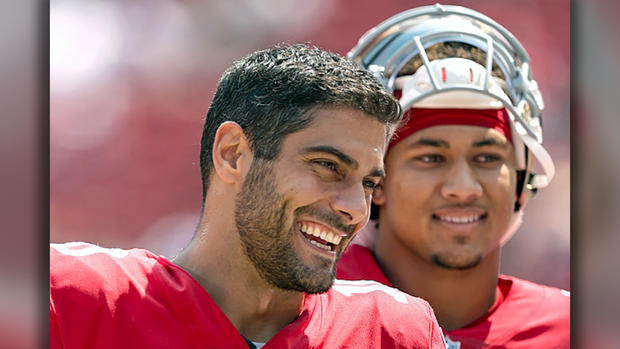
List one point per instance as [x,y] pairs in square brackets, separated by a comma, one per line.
[257,309]
[458,297]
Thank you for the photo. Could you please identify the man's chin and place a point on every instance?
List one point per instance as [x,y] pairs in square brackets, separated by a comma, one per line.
[301,278]
[452,263]
[322,288]
[316,281]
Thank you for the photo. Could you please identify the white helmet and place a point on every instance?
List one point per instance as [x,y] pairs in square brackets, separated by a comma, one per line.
[455,82]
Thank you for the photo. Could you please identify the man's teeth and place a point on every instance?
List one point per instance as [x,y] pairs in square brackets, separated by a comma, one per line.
[315,230]
[318,244]
[461,220]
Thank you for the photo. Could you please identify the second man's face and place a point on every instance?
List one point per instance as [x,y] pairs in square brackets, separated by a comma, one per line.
[449,194]
[297,213]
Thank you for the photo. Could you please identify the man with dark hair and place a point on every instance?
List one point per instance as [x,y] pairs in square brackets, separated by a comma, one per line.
[458,175]
[292,150]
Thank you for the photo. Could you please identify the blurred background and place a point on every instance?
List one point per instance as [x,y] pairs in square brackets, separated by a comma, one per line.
[142,73]
[131,81]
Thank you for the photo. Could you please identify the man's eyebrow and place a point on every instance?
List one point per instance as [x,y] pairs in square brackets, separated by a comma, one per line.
[333,151]
[349,161]
[432,142]
[490,141]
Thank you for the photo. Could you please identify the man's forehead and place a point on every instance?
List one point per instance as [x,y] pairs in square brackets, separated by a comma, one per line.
[343,125]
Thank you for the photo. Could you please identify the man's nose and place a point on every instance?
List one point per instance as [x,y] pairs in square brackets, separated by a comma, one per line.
[351,202]
[461,183]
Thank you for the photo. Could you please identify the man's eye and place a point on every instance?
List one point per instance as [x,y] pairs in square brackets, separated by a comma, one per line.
[430,158]
[486,158]
[327,164]
[371,185]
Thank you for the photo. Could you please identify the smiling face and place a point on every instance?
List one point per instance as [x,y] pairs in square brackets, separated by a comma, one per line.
[297,213]
[449,194]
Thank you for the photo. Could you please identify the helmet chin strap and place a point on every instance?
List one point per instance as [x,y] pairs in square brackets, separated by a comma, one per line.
[513,226]
[543,157]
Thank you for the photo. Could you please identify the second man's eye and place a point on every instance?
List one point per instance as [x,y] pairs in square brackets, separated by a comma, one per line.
[486,158]
[430,158]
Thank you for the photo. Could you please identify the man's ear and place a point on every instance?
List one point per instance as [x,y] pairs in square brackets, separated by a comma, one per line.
[378,197]
[232,156]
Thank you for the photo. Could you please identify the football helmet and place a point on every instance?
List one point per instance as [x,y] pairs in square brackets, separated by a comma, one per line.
[456,82]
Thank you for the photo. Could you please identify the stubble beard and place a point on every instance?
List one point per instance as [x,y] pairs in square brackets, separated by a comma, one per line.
[267,236]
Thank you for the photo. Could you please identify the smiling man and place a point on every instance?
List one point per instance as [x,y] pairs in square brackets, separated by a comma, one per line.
[464,180]
[292,150]
[458,175]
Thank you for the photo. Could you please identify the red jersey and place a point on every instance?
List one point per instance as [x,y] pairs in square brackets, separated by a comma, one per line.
[113,298]
[525,314]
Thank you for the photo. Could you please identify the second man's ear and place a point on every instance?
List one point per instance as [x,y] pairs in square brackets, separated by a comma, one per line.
[232,156]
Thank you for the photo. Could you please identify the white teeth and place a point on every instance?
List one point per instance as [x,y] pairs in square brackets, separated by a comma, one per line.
[460,220]
[337,240]
[329,237]
[325,247]
[315,230]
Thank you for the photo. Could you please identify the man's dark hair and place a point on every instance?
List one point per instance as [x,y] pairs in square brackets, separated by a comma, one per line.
[451,49]
[272,93]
